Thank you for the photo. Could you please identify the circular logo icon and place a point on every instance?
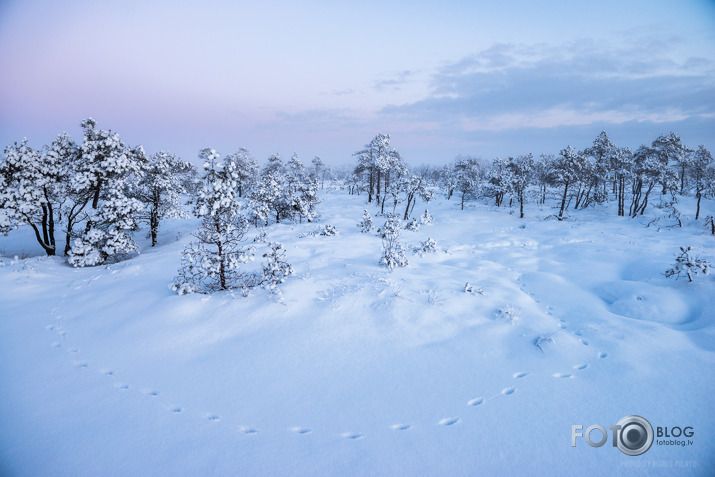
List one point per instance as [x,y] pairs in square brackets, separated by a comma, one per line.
[635,435]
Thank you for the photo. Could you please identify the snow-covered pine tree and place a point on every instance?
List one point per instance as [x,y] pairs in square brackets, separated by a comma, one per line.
[393,252]
[650,167]
[245,171]
[213,262]
[520,174]
[701,174]
[33,188]
[565,171]
[366,222]
[426,218]
[447,181]
[267,199]
[305,198]
[319,171]
[670,151]
[101,177]
[160,190]
[498,180]
[274,166]
[468,173]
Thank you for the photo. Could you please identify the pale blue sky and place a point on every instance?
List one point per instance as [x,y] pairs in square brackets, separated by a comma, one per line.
[322,77]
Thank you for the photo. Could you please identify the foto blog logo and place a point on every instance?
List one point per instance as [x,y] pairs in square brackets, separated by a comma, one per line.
[633,435]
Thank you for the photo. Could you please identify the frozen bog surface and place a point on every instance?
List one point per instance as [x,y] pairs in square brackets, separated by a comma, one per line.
[358,370]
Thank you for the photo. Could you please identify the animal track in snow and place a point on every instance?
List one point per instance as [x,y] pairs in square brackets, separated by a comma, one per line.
[602,355]
[475,402]
[121,386]
[400,427]
[351,435]
[80,364]
[107,372]
[562,375]
[508,391]
[448,421]
[581,366]
[520,374]
[175,409]
[584,341]
[248,430]
[212,417]
[300,430]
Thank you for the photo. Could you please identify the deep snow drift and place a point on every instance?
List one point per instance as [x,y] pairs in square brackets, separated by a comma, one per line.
[362,371]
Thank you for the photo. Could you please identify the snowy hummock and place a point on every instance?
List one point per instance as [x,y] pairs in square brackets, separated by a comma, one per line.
[360,370]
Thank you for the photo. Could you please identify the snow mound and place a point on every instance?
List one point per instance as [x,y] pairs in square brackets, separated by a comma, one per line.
[643,301]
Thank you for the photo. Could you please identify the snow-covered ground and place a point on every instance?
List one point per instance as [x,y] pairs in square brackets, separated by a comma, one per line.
[359,371]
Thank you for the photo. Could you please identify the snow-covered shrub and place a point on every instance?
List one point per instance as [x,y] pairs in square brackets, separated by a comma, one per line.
[428,246]
[687,265]
[366,223]
[426,218]
[328,230]
[413,225]
[468,288]
[277,268]
[393,252]
[509,313]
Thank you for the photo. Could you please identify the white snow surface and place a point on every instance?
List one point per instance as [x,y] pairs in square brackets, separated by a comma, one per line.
[359,370]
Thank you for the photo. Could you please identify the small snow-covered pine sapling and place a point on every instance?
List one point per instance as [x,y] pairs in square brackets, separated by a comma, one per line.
[426,218]
[428,246]
[413,225]
[393,252]
[469,288]
[366,223]
[328,230]
[276,268]
[213,262]
[688,265]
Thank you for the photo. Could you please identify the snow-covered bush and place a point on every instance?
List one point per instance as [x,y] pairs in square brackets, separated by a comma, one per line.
[393,252]
[366,223]
[509,314]
[328,230]
[687,265]
[428,246]
[413,225]
[277,268]
[426,218]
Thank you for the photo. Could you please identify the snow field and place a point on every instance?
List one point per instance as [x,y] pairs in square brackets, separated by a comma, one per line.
[357,370]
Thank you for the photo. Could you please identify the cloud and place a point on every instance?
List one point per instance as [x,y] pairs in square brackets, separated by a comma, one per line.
[584,82]
[396,82]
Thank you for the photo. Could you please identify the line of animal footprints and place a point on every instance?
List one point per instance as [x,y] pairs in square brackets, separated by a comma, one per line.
[448,421]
